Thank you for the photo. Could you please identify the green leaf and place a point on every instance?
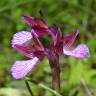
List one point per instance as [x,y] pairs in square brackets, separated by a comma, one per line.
[76,73]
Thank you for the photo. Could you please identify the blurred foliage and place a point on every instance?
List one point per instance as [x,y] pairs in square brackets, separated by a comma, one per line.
[70,16]
[12,92]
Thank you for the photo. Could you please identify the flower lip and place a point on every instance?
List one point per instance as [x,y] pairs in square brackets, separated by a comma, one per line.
[21,68]
[21,38]
[81,51]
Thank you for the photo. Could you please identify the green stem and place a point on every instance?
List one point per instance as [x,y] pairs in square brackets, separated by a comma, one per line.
[49,89]
[28,87]
[44,87]
[86,89]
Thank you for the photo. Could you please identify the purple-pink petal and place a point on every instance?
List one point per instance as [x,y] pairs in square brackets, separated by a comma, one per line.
[37,42]
[69,40]
[21,37]
[53,30]
[81,51]
[25,50]
[29,20]
[21,68]
[35,22]
[40,31]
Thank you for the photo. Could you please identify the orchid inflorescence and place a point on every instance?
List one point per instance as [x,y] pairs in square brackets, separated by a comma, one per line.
[59,45]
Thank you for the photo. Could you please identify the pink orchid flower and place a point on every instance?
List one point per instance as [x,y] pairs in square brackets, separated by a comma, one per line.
[59,45]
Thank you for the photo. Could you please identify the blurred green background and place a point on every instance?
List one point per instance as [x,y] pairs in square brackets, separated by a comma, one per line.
[70,15]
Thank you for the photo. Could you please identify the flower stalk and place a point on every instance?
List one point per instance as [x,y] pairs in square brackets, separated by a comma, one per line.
[55,69]
[55,74]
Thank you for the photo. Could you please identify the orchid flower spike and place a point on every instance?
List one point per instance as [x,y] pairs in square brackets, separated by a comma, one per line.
[60,45]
